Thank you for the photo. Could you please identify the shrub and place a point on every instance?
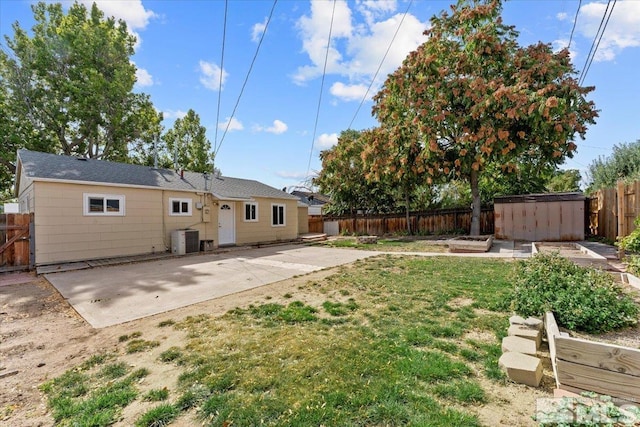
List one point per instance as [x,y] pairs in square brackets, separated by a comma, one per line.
[633,264]
[581,298]
[632,243]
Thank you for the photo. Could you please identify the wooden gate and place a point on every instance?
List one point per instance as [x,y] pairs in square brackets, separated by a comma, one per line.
[17,245]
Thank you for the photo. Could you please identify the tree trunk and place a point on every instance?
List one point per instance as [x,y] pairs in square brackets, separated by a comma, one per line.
[475,204]
[406,201]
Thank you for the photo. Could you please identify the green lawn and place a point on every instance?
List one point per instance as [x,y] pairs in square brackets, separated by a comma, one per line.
[386,341]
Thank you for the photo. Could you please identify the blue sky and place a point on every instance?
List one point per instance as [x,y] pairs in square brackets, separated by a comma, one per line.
[271,136]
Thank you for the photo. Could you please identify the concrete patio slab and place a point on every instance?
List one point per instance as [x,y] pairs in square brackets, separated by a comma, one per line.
[112,295]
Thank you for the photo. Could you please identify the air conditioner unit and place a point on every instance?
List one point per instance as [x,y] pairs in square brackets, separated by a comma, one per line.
[185,241]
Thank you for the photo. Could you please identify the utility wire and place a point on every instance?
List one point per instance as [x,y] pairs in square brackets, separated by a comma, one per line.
[590,58]
[594,41]
[224,38]
[364,98]
[575,20]
[324,72]
[247,77]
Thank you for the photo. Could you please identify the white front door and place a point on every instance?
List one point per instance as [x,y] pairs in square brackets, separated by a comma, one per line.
[226,224]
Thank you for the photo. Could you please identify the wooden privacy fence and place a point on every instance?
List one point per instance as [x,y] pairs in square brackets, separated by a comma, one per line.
[316,224]
[612,211]
[440,221]
[16,242]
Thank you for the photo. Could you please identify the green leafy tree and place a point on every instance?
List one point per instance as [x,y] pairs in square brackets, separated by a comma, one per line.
[622,164]
[68,86]
[565,181]
[476,98]
[391,155]
[187,143]
[343,178]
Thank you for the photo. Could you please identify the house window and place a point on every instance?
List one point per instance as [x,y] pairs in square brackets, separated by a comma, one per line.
[103,204]
[277,215]
[180,207]
[250,212]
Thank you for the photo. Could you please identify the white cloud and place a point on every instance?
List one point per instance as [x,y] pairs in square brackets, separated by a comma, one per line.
[174,114]
[356,51]
[371,9]
[369,48]
[257,30]
[560,44]
[143,78]
[326,140]
[130,11]
[349,92]
[232,124]
[278,127]
[562,16]
[210,75]
[622,31]
[314,31]
[292,175]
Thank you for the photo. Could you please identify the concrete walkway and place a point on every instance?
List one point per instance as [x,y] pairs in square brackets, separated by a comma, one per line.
[112,295]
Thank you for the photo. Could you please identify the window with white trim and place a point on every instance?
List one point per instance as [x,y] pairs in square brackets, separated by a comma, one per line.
[278,215]
[180,207]
[103,204]
[250,212]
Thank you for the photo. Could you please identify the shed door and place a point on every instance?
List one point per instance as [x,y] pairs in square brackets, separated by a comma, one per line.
[226,224]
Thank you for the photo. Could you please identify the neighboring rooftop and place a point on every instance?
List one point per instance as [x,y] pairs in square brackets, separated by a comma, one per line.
[53,167]
[310,198]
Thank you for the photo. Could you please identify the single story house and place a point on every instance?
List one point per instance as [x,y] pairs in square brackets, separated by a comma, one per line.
[89,209]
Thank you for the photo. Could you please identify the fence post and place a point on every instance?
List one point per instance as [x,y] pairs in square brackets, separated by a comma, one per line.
[621,209]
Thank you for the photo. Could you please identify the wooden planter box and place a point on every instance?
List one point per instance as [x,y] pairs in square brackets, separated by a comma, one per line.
[470,243]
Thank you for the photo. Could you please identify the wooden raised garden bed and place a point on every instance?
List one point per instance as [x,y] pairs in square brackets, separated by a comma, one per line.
[470,243]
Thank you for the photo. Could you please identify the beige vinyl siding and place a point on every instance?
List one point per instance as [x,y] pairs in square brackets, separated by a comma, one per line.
[206,231]
[303,219]
[64,233]
[25,198]
[262,230]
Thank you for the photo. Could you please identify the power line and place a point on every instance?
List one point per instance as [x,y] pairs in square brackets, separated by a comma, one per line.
[594,41]
[575,20]
[224,38]
[246,79]
[590,58]
[324,73]
[364,98]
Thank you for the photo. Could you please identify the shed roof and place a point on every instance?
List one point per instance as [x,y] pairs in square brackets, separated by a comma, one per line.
[53,167]
[546,197]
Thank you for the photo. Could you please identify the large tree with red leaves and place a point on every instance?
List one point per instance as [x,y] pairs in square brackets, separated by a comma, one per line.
[470,97]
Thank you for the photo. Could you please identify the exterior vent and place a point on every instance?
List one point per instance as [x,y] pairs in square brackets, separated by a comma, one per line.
[185,241]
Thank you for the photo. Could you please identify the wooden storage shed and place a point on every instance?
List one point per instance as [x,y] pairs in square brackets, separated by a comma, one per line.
[557,217]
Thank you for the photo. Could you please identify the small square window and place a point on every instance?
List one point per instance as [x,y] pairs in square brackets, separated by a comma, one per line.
[96,204]
[180,207]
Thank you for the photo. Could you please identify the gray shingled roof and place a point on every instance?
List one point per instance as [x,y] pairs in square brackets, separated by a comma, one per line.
[68,168]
